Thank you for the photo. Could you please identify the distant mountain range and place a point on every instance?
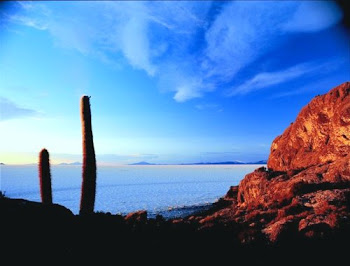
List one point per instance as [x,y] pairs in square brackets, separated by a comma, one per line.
[203,163]
[142,163]
[233,162]
[75,163]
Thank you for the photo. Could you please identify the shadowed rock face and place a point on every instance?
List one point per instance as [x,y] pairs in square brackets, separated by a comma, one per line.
[305,192]
[321,133]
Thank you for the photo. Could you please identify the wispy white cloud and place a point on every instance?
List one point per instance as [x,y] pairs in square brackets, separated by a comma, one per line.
[180,78]
[137,50]
[208,48]
[188,90]
[10,110]
[269,79]
[29,22]
[312,16]
[24,17]
[266,79]
[310,87]
[240,33]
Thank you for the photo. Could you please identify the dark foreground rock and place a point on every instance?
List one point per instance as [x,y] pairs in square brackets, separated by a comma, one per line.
[51,235]
[295,212]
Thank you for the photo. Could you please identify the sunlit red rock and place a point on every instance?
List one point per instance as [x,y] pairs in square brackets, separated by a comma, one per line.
[321,133]
[305,192]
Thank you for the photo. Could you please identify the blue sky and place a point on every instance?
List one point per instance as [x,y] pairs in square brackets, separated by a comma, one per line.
[170,82]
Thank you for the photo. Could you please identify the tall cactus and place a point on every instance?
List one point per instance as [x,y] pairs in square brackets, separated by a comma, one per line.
[45,177]
[88,189]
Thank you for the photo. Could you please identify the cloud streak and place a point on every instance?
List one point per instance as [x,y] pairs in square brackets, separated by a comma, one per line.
[270,79]
[313,16]
[10,110]
[267,79]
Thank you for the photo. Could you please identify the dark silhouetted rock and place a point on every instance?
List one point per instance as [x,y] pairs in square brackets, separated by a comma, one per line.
[136,217]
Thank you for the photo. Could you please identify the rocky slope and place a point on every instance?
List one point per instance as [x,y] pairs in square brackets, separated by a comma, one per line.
[305,192]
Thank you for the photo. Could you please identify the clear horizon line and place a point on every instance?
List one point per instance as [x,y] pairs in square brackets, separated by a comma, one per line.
[137,164]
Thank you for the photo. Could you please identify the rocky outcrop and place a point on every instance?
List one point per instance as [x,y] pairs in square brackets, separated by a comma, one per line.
[266,188]
[321,133]
[305,192]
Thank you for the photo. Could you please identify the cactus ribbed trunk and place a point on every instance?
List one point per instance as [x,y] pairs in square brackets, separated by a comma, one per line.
[45,177]
[88,189]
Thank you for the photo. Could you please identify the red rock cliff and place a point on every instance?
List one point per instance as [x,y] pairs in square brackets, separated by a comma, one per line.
[305,192]
[321,133]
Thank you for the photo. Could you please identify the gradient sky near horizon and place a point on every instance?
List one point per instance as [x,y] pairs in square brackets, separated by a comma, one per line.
[170,82]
